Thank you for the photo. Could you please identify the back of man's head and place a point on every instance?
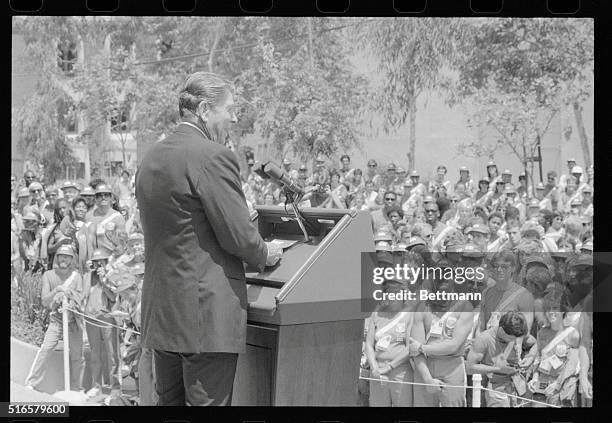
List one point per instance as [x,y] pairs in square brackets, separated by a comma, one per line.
[202,87]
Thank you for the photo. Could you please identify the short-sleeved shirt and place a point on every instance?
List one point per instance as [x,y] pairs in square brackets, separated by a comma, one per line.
[489,344]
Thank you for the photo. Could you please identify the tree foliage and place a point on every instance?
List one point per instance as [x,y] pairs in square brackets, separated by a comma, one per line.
[517,74]
[302,96]
[413,56]
[309,98]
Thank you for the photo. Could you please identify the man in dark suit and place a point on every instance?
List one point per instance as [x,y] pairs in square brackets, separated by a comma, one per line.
[197,234]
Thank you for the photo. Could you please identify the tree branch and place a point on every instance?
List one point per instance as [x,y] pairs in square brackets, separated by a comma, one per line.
[508,142]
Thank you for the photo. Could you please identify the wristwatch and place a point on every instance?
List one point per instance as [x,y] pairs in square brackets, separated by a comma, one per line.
[390,365]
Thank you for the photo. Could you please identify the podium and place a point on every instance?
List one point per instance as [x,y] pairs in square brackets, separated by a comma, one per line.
[305,320]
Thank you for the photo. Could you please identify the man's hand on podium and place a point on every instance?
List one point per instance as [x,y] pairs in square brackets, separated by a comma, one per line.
[274,253]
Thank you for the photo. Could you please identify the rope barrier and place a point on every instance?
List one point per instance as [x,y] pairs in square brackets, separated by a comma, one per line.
[107,324]
[459,386]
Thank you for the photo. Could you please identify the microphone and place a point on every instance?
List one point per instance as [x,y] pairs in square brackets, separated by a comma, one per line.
[271,170]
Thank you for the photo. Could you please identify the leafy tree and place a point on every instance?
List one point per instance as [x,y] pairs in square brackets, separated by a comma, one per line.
[307,97]
[517,74]
[413,56]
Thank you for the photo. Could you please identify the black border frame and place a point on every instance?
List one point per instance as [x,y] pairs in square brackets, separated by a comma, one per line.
[600,10]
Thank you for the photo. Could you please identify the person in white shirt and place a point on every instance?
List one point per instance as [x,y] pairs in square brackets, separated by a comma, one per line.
[571,163]
[439,180]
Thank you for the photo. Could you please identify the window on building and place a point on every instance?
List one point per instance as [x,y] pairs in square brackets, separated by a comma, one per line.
[71,120]
[119,120]
[67,56]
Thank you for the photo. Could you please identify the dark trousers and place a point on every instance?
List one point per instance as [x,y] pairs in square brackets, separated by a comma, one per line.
[103,346]
[194,379]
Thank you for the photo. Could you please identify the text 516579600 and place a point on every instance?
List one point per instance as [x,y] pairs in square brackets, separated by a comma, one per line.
[34,409]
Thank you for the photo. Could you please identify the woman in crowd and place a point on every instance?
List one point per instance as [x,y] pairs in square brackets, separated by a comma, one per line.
[53,237]
[29,243]
[388,336]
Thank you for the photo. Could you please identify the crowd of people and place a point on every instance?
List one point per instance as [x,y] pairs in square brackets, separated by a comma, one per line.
[87,244]
[528,337]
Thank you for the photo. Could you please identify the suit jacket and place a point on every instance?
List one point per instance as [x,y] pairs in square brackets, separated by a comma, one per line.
[197,235]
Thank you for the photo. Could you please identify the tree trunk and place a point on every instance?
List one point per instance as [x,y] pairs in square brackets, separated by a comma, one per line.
[584,141]
[412,145]
[309,24]
[123,155]
[214,46]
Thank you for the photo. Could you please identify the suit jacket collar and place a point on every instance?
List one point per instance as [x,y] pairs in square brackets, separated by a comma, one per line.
[190,127]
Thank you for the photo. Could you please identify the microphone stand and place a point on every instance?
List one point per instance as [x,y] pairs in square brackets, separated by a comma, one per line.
[291,198]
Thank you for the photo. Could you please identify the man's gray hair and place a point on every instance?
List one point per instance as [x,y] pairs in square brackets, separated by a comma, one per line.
[202,86]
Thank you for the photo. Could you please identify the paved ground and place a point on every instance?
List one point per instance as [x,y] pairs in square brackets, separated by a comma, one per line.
[20,393]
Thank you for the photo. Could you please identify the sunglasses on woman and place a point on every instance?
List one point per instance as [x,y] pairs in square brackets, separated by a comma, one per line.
[103,195]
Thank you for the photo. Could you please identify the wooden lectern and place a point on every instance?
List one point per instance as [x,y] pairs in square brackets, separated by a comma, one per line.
[305,320]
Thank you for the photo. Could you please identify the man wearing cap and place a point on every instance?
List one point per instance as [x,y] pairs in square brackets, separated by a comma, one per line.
[29,242]
[372,174]
[479,235]
[571,163]
[293,173]
[70,191]
[575,206]
[577,173]
[198,234]
[511,199]
[417,187]
[439,181]
[102,340]
[321,175]
[62,281]
[544,202]
[89,195]
[37,201]
[464,177]
[102,217]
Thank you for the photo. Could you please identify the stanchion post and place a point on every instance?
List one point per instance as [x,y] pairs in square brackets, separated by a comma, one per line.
[476,385]
[66,344]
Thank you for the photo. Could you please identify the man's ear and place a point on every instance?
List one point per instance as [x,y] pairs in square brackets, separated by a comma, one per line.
[202,108]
